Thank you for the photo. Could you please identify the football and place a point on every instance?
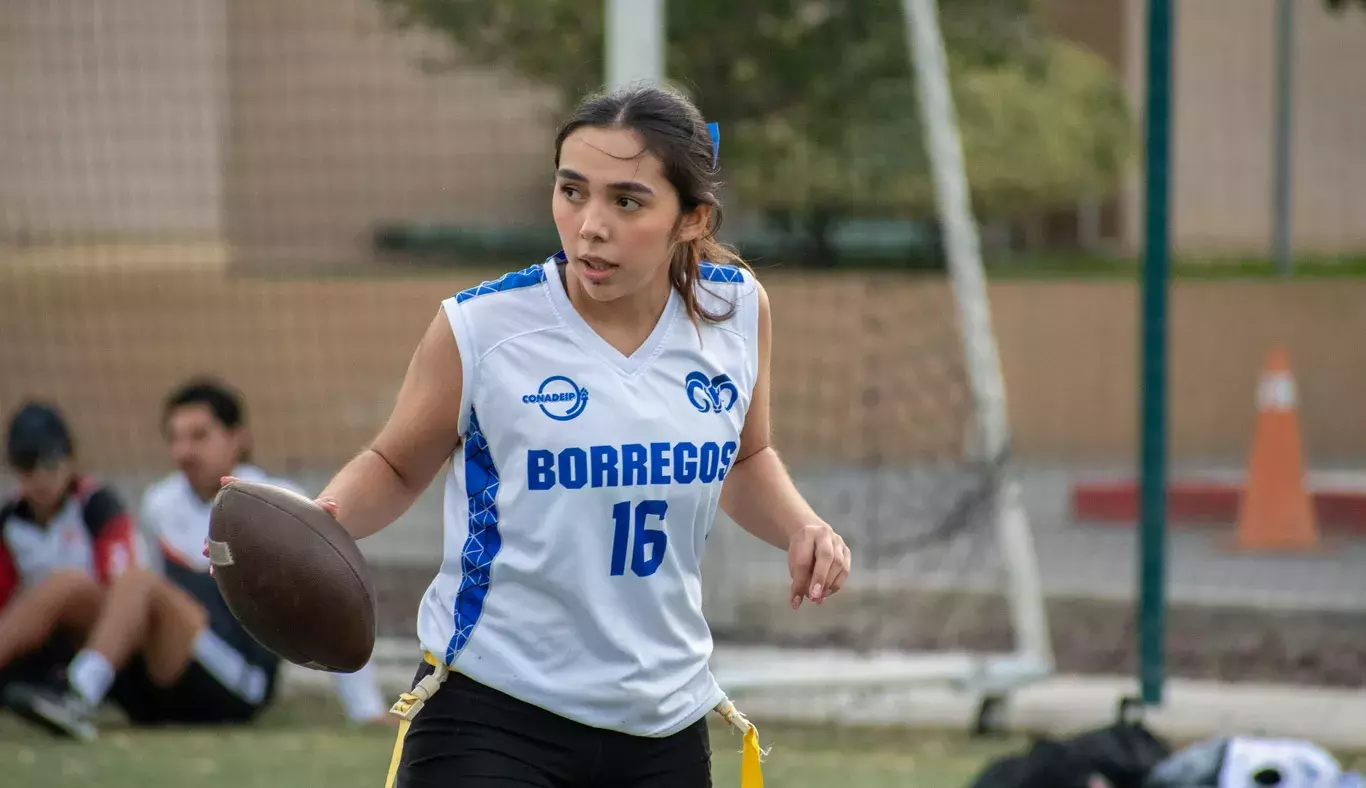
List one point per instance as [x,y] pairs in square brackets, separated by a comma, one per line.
[293,576]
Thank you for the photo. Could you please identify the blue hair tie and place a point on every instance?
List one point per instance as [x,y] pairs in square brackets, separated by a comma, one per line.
[714,129]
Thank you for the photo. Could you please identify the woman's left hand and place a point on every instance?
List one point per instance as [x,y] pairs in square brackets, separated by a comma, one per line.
[818,560]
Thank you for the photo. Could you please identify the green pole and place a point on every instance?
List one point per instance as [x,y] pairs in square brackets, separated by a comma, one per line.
[1153,380]
[1285,86]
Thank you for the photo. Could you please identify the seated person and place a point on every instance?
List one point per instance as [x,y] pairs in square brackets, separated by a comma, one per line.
[204,424]
[63,540]
[165,648]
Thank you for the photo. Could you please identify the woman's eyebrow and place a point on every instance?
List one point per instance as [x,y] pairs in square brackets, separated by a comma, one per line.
[621,186]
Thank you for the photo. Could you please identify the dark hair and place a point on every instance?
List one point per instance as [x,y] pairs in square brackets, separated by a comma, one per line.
[218,397]
[674,131]
[221,399]
[37,434]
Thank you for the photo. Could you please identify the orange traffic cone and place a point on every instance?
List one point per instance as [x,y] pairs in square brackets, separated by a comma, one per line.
[1275,512]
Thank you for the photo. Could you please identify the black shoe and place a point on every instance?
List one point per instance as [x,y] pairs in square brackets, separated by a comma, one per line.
[61,713]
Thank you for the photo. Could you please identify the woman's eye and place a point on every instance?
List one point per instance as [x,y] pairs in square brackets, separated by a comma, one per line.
[628,203]
[570,193]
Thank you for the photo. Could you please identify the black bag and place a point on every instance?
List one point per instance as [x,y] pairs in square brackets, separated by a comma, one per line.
[1122,753]
[1048,764]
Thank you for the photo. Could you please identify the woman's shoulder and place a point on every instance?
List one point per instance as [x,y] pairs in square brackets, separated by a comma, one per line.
[509,282]
[729,292]
[724,272]
[485,315]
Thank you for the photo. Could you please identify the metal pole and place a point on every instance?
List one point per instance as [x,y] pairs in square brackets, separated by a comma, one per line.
[1285,66]
[1153,377]
[634,42]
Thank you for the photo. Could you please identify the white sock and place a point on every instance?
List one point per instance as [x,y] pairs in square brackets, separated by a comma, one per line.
[227,665]
[90,674]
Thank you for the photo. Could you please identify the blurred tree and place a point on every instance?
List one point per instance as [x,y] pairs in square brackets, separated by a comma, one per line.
[1033,135]
[817,101]
[1338,5]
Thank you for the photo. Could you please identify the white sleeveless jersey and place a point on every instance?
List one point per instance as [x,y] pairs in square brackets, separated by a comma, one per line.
[578,507]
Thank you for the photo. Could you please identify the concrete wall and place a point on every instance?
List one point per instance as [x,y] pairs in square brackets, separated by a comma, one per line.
[336,127]
[867,370]
[1070,352]
[111,118]
[1222,134]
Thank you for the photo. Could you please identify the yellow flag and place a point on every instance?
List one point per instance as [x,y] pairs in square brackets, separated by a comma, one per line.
[398,754]
[751,776]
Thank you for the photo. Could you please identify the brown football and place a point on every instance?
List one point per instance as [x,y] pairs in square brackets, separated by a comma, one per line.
[293,576]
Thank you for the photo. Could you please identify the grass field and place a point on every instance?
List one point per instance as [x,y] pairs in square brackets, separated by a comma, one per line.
[303,744]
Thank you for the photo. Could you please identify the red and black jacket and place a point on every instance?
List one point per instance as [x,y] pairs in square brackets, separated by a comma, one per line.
[90,532]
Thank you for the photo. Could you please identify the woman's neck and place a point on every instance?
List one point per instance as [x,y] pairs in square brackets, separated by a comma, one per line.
[633,314]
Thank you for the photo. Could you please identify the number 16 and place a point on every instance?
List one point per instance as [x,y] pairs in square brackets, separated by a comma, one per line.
[640,565]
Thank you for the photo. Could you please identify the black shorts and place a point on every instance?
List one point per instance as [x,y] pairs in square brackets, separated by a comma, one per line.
[196,698]
[474,736]
[45,666]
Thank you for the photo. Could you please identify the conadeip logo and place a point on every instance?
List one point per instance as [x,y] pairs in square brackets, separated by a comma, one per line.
[559,398]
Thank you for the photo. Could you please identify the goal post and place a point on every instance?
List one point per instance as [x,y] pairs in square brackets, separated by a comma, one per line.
[634,41]
[963,250]
[967,555]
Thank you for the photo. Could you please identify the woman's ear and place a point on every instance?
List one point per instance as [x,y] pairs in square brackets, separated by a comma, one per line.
[695,224]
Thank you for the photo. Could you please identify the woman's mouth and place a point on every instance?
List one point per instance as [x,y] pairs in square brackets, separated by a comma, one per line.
[596,269]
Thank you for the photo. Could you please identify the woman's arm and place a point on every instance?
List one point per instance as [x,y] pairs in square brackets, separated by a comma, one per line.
[382,482]
[760,496]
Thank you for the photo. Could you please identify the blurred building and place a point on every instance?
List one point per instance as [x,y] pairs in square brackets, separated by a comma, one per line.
[1223,85]
[293,129]
[288,129]
[288,132]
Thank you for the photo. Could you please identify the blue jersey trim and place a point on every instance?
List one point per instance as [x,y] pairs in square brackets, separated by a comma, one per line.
[711,272]
[509,281]
[482,543]
[535,275]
